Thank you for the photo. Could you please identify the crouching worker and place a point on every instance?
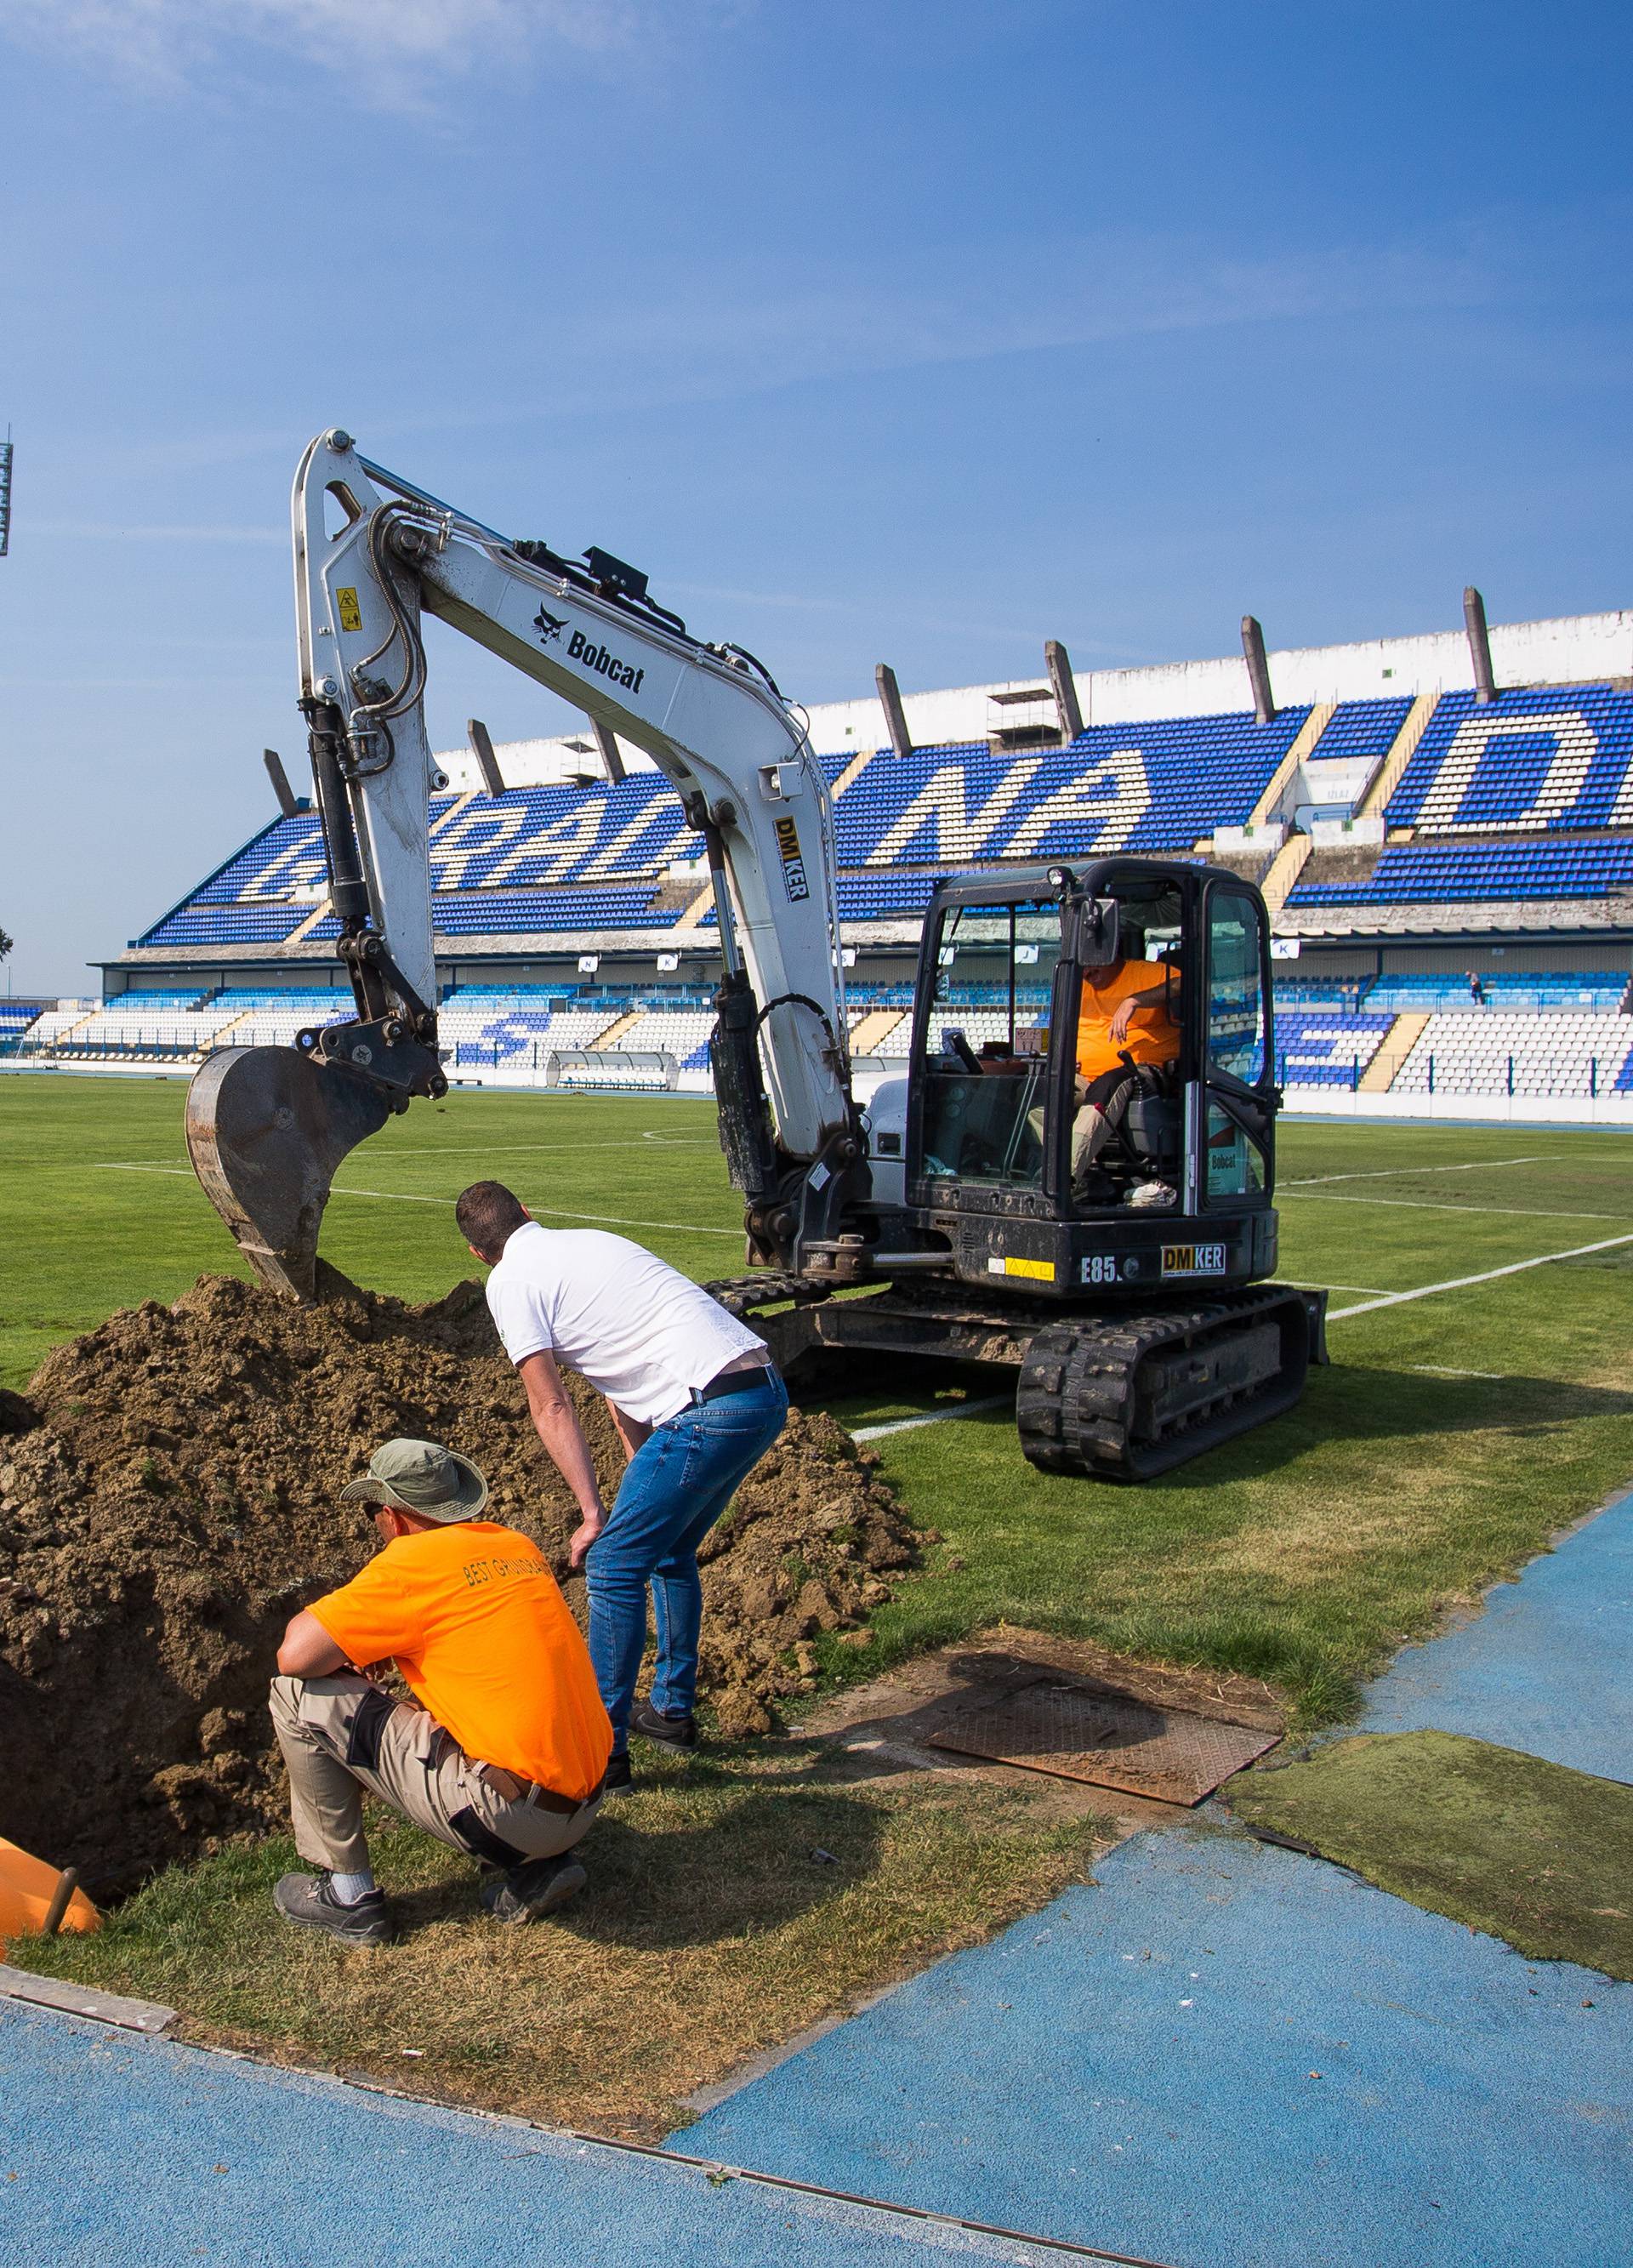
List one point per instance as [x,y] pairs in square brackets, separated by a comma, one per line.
[505,1755]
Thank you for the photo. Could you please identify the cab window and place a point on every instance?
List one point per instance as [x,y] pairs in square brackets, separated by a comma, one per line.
[986,1044]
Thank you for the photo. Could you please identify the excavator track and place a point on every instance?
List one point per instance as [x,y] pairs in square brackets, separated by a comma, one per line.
[1126,1397]
[742,1295]
[1120,1395]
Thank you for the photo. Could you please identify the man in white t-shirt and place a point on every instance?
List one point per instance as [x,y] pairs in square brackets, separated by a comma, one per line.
[696,1400]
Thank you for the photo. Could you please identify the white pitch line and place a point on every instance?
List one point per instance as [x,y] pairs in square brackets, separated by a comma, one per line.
[1431,1204]
[1298,1287]
[1404,1173]
[1489,1276]
[1441,1370]
[932,1417]
[403,1196]
[557,1213]
[575,1148]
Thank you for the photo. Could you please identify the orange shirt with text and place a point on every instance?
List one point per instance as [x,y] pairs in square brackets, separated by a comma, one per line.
[1153,1035]
[475,1622]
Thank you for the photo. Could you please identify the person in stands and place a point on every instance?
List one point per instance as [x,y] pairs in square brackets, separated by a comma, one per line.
[503,1751]
[696,1400]
[1476,990]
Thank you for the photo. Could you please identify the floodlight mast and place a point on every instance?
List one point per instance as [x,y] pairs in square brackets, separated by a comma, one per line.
[5,493]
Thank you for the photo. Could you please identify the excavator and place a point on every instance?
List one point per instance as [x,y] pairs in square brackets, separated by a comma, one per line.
[945,1219]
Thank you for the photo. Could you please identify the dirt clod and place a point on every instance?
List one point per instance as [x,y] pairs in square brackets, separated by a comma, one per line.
[174,1499]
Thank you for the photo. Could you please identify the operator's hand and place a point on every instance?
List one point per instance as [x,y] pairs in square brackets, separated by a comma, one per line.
[583,1537]
[1121,1020]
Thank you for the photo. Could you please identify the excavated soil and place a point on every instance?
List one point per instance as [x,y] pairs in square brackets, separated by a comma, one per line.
[168,1497]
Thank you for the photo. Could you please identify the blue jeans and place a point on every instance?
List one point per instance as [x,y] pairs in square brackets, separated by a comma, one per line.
[676,1487]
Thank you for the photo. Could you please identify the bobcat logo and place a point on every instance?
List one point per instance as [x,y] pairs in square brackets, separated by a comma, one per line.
[549,626]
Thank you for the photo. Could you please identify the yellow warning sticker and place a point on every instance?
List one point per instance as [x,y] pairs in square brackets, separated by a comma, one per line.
[1040,1272]
[350,611]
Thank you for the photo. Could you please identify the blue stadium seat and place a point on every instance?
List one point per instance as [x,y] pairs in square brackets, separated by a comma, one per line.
[1546,758]
[1408,875]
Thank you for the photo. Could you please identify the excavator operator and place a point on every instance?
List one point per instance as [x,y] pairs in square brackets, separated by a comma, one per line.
[1128,1013]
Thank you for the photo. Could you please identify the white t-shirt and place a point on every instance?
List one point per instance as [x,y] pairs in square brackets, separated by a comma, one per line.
[643,1334]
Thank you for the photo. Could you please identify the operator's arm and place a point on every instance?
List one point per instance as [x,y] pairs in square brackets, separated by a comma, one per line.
[1155,996]
[308,1650]
[555,1422]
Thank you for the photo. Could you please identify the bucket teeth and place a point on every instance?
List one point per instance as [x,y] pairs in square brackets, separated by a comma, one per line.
[267,1129]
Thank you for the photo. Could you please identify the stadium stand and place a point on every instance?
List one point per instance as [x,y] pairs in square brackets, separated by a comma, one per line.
[1161,786]
[16,1017]
[1361,728]
[1483,872]
[1537,1055]
[1578,989]
[573,913]
[1546,757]
[1317,1048]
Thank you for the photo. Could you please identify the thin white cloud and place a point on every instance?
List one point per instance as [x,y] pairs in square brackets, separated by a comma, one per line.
[394,50]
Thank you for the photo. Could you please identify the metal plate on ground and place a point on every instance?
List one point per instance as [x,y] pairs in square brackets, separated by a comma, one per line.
[1080,1729]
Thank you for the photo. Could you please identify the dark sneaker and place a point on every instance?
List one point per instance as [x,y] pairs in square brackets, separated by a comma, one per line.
[307,1900]
[674,1732]
[618,1774]
[530,1891]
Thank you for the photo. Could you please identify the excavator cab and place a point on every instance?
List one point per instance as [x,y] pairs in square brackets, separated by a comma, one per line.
[1116,1260]
[1081,1144]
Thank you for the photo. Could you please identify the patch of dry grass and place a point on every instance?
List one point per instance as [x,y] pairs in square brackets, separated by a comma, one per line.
[732,1901]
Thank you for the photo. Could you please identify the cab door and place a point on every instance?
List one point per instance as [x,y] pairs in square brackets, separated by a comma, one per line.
[1238,1094]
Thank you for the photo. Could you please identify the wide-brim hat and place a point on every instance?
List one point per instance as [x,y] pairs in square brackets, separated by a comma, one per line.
[422,1477]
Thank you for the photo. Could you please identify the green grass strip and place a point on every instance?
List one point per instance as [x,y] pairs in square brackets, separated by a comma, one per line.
[1506,1842]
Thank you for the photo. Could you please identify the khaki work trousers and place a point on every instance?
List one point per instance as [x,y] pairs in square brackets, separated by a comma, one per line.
[343,1735]
[1101,1103]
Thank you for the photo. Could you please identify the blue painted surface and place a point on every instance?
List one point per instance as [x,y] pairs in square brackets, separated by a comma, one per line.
[1547,1667]
[1137,2066]
[133,2152]
[1228,2056]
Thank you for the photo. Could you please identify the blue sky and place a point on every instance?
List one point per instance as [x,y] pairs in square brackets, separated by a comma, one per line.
[902,331]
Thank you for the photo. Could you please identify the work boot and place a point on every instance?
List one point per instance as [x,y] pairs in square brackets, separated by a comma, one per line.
[536,1887]
[308,1901]
[1094,1186]
[619,1775]
[674,1732]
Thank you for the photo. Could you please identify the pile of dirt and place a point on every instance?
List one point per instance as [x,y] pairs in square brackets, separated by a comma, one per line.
[168,1497]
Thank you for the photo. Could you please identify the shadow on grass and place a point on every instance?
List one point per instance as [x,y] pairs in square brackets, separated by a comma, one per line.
[1348,1401]
[753,1863]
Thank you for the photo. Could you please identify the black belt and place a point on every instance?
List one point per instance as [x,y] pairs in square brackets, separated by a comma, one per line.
[733,1381]
[546,1798]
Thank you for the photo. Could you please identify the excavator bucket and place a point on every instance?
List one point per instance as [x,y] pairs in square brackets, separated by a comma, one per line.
[267,1129]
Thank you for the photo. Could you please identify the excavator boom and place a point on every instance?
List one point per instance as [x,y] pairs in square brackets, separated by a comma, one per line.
[268,1127]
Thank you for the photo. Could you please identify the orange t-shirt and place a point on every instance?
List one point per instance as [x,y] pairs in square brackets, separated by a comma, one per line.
[476,1624]
[1153,1036]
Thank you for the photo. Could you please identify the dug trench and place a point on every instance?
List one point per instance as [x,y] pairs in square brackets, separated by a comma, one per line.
[169,1496]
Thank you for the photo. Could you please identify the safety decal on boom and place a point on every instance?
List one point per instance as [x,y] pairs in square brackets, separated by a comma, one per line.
[793,860]
[350,611]
[1042,1272]
[1193,1259]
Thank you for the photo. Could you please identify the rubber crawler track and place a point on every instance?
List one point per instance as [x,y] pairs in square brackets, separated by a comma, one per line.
[1078,1407]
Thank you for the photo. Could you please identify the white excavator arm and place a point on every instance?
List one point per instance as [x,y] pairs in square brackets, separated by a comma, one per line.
[371,553]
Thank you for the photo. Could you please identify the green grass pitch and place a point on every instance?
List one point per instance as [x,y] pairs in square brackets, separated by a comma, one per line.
[1451,1435]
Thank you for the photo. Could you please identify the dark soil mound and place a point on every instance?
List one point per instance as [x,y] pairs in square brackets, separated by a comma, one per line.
[176,1502]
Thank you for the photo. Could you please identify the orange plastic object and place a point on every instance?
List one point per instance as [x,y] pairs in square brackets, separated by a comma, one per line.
[26,1887]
